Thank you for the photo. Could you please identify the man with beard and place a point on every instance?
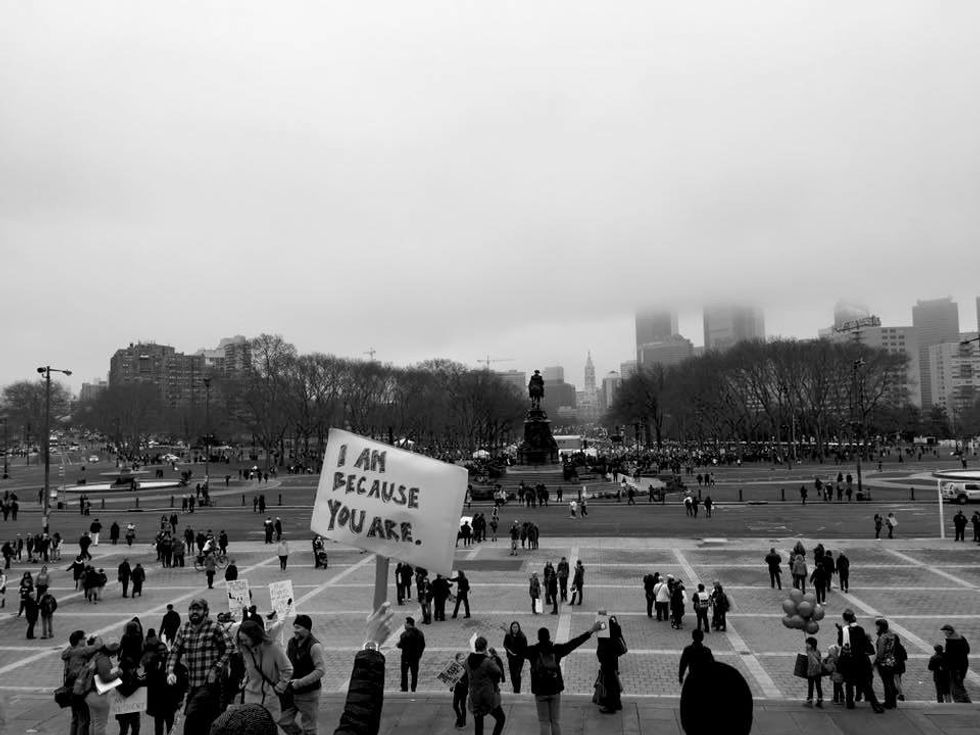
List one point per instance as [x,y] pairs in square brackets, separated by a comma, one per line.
[203,646]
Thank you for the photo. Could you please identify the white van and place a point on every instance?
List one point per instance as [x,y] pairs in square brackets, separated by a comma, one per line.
[960,492]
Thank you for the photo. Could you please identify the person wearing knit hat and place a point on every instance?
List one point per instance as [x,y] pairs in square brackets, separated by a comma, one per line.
[309,667]
[267,669]
[247,719]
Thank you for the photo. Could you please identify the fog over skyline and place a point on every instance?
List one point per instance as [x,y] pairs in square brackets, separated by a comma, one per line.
[453,179]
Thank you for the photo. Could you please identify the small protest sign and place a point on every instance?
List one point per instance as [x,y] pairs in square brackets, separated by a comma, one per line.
[451,675]
[389,501]
[120,705]
[283,602]
[238,599]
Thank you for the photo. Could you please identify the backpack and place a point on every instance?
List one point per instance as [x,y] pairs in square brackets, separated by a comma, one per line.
[546,673]
[85,681]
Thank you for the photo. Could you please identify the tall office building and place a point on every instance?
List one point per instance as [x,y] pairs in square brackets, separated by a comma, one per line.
[553,374]
[954,373]
[610,386]
[655,325]
[628,369]
[727,325]
[897,341]
[177,376]
[672,351]
[516,379]
[936,321]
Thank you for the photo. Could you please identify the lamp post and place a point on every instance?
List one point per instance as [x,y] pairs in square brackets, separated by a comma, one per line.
[5,475]
[858,424]
[207,428]
[46,371]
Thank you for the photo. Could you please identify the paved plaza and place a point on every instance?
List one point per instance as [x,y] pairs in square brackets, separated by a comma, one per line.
[917,584]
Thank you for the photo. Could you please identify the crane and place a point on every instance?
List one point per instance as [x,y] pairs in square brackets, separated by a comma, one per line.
[855,326]
[487,360]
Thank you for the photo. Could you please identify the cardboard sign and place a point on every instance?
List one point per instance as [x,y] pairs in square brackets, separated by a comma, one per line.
[238,599]
[538,607]
[451,675]
[283,602]
[389,501]
[120,705]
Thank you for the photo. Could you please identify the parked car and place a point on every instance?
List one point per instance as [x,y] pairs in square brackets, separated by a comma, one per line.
[93,459]
[960,492]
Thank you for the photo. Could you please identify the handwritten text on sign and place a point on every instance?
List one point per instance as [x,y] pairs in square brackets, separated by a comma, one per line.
[389,501]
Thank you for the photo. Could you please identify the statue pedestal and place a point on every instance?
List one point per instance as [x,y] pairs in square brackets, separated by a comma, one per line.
[539,446]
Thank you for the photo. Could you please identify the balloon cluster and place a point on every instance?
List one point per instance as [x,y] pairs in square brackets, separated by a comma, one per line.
[802,611]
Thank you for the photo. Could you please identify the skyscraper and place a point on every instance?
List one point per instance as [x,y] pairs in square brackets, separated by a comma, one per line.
[727,325]
[935,321]
[654,325]
[589,374]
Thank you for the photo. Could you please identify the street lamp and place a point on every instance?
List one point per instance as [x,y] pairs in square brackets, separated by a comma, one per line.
[207,428]
[4,419]
[46,371]
[858,424]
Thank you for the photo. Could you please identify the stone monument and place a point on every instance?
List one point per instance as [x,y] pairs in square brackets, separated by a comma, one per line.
[539,446]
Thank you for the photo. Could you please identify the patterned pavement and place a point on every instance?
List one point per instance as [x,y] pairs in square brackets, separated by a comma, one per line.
[917,584]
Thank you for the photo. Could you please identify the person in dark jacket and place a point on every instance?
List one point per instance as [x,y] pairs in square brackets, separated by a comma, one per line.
[231,571]
[440,593]
[460,692]
[162,700]
[515,643]
[853,661]
[31,612]
[365,694]
[843,567]
[485,673]
[695,656]
[76,657]
[547,683]
[412,644]
[139,576]
[170,624]
[123,575]
[608,650]
[957,662]
[462,593]
[305,653]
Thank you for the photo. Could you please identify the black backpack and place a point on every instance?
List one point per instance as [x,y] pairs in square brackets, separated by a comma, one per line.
[545,673]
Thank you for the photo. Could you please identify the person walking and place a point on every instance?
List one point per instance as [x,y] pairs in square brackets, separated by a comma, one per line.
[267,668]
[114,533]
[608,651]
[515,644]
[957,662]
[46,605]
[412,645]
[885,662]
[485,673]
[31,612]
[547,682]
[138,578]
[649,582]
[170,624]
[210,567]
[267,527]
[696,656]
[819,580]
[203,646]
[460,690]
[843,571]
[879,523]
[534,590]
[854,663]
[305,653]
[462,593]
[773,560]
[578,582]
[551,585]
[282,551]
[123,574]
[95,529]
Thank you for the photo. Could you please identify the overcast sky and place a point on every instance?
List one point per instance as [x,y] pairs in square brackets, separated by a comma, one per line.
[462,179]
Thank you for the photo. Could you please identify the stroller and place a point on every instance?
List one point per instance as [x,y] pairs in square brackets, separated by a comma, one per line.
[319,554]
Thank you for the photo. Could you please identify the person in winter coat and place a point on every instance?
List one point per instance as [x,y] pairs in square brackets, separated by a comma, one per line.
[547,682]
[677,605]
[484,672]
[282,551]
[412,644]
[940,674]
[957,662]
[124,573]
[773,560]
[306,655]
[31,612]
[884,661]
[76,657]
[365,694]
[267,668]
[820,582]
[814,672]
[462,593]
[534,590]
[515,643]
[461,690]
[42,582]
[608,650]
[799,571]
[831,664]
[162,700]
[858,673]
[139,576]
[46,607]
[98,704]
[719,606]
[26,590]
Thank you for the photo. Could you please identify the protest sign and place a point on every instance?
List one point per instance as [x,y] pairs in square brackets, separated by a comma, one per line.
[120,705]
[283,602]
[389,501]
[238,599]
[451,674]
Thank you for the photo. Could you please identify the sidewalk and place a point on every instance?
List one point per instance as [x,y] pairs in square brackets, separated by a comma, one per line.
[404,714]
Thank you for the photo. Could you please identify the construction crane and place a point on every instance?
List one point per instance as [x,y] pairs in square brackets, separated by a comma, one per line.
[487,360]
[370,352]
